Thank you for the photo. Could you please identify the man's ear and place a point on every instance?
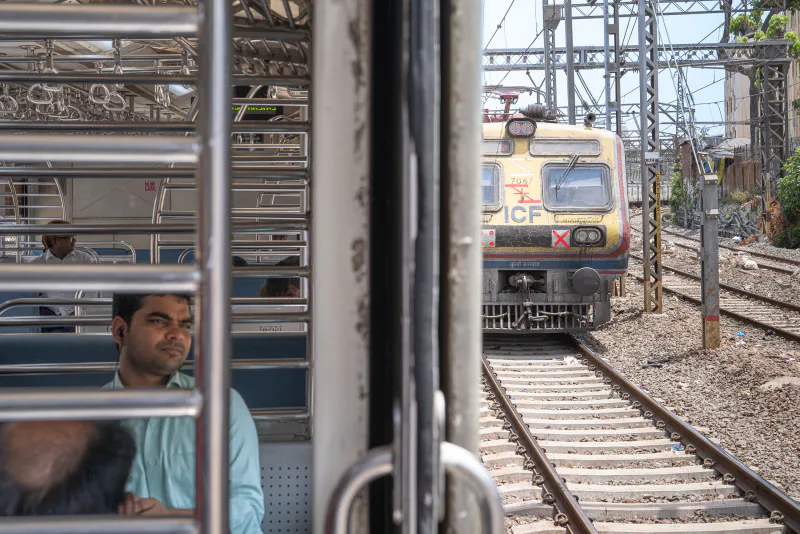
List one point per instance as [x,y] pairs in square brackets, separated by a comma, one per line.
[118,330]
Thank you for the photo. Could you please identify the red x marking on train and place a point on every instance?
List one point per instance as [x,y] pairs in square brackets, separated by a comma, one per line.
[559,240]
[524,198]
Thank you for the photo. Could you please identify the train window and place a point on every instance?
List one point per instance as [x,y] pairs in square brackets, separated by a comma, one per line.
[492,187]
[585,187]
[497,147]
[565,147]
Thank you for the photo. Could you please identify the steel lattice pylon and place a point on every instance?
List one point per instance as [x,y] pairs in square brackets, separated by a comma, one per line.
[613,68]
[650,156]
[552,16]
[774,109]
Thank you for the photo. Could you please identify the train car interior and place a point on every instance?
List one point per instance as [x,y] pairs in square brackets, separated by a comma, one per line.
[115,119]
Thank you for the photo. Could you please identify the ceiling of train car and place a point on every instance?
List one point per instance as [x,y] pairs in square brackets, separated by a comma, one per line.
[270,39]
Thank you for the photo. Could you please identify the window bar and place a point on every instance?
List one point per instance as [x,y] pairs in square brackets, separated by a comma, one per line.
[214,261]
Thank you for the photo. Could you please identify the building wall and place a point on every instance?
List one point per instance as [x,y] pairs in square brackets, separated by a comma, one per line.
[737,99]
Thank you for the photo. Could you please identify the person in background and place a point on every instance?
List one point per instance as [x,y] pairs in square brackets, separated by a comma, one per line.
[282,287]
[63,467]
[59,250]
[153,336]
[238,261]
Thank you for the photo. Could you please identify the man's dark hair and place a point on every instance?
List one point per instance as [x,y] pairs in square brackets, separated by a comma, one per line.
[238,261]
[275,287]
[63,467]
[126,304]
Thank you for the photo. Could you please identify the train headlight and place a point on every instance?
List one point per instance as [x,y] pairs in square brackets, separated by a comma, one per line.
[587,236]
[521,127]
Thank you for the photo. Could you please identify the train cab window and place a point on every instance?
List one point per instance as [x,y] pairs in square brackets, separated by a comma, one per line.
[580,187]
[492,187]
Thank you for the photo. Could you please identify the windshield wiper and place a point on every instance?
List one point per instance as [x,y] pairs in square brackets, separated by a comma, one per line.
[572,161]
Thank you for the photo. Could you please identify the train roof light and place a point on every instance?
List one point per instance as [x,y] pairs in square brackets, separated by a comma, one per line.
[521,127]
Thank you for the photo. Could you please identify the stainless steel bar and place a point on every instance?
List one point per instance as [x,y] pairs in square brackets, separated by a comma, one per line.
[106,149]
[88,229]
[143,126]
[140,78]
[91,58]
[53,321]
[272,415]
[74,277]
[110,367]
[283,317]
[213,253]
[271,33]
[27,302]
[269,272]
[376,463]
[97,525]
[268,101]
[18,404]
[248,212]
[157,173]
[97,20]
[254,188]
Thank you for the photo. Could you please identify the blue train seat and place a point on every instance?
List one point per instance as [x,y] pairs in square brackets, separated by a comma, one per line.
[261,389]
[25,311]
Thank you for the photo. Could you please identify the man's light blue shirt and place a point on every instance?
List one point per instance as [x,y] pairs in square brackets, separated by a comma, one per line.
[164,467]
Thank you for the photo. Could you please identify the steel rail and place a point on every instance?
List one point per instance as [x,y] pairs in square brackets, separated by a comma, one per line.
[745,319]
[75,277]
[98,525]
[570,514]
[751,252]
[697,249]
[762,491]
[732,289]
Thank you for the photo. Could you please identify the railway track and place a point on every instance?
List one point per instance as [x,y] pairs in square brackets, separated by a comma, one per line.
[765,312]
[559,424]
[773,263]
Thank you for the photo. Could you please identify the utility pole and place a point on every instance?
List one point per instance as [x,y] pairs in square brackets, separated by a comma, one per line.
[709,258]
[613,70]
[570,62]
[552,16]
[650,158]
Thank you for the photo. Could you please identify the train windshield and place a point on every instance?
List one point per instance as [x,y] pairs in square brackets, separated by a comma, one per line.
[491,187]
[577,186]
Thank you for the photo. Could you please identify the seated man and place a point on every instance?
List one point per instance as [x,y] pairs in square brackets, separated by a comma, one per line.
[282,287]
[60,250]
[153,336]
[63,467]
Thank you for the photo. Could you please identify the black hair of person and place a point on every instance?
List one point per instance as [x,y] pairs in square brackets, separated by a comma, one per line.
[238,261]
[275,287]
[87,479]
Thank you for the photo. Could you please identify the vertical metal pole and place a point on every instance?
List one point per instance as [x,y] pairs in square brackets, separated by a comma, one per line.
[709,251]
[617,76]
[340,242]
[214,259]
[424,108]
[461,342]
[650,157]
[570,62]
[551,20]
[606,61]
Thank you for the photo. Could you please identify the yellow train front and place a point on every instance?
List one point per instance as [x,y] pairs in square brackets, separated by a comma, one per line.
[555,231]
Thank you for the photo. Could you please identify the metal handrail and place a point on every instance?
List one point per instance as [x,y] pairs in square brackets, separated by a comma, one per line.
[24,245]
[74,277]
[85,320]
[378,462]
[78,301]
[98,525]
[108,367]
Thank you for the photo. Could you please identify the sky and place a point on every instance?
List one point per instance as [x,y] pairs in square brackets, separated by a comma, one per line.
[524,21]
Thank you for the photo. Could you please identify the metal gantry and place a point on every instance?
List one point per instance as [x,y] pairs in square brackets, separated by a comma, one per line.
[773,121]
[650,157]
